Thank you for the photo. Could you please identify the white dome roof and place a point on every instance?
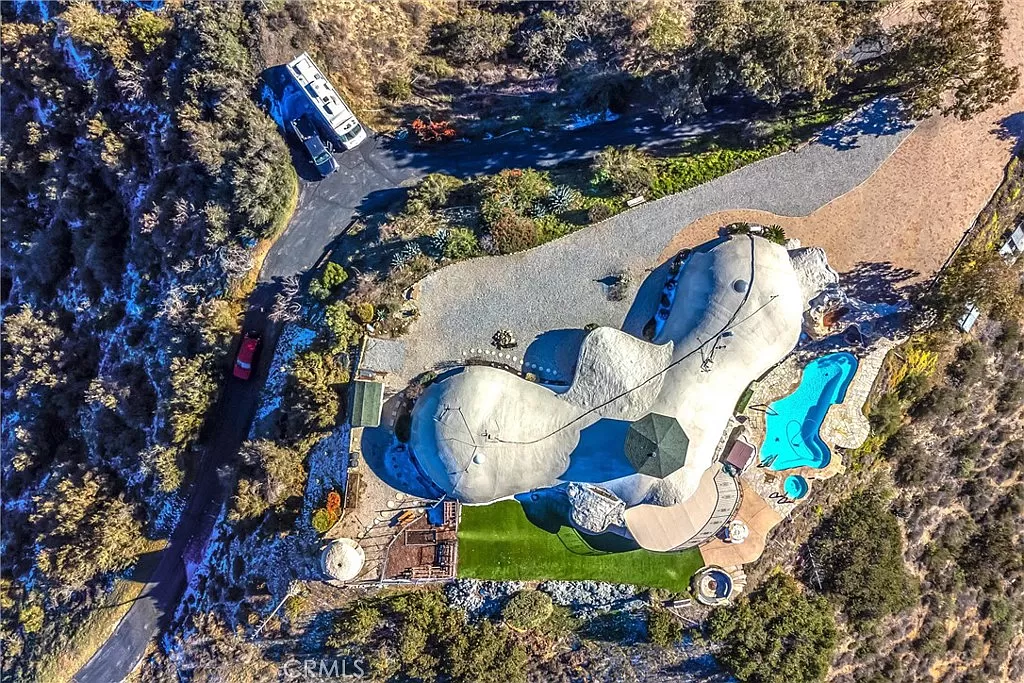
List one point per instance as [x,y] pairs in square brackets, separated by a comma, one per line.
[342,559]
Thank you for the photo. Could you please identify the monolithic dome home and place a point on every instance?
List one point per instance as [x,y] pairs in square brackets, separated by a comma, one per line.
[638,430]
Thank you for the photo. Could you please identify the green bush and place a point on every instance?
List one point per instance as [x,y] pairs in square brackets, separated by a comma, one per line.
[344,332]
[690,170]
[364,312]
[663,629]
[512,233]
[461,244]
[433,192]
[31,618]
[527,609]
[514,190]
[551,228]
[628,170]
[395,88]
[333,277]
[322,520]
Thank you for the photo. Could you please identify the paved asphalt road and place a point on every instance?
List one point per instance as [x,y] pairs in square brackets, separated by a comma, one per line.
[369,177]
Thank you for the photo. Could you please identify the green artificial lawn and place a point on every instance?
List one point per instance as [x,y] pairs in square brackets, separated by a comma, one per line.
[499,542]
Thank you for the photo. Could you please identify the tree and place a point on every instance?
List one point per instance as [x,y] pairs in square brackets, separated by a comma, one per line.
[858,551]
[663,629]
[778,634]
[951,59]
[344,332]
[313,392]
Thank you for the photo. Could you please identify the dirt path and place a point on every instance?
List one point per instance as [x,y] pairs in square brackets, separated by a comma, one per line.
[912,212]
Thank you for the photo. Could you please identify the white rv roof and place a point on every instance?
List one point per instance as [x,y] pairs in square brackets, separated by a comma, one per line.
[319,90]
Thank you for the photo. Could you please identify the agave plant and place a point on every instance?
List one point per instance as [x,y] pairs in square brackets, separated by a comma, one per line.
[538,210]
[775,233]
[563,198]
[438,241]
[407,253]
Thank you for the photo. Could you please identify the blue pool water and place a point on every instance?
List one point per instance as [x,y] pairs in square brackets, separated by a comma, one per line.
[793,422]
[795,486]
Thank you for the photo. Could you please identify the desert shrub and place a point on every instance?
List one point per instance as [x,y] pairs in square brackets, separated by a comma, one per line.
[527,609]
[31,618]
[969,365]
[551,228]
[364,312]
[1011,396]
[344,332]
[777,634]
[515,190]
[1008,341]
[939,402]
[886,415]
[395,88]
[334,276]
[512,233]
[432,192]
[148,29]
[461,244]
[600,211]
[322,520]
[356,627]
[475,35]
[859,552]
[663,629]
[627,170]
[563,198]
[433,131]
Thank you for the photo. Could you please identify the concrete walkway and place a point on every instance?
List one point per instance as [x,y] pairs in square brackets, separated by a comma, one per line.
[557,286]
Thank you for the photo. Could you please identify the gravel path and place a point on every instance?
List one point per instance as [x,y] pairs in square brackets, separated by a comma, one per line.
[557,285]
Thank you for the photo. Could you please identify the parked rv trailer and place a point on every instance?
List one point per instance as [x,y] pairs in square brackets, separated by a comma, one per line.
[331,109]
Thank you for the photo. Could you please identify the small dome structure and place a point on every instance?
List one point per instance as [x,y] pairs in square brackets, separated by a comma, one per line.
[342,559]
[741,286]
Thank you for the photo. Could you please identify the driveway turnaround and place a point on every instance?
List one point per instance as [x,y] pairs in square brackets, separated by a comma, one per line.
[558,286]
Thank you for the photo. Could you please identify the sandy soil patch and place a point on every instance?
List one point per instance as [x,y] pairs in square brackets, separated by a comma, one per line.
[914,210]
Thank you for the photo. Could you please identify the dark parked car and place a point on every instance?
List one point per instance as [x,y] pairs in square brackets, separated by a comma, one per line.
[246,358]
[321,156]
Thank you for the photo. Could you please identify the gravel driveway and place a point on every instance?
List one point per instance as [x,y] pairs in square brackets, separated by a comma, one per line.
[557,286]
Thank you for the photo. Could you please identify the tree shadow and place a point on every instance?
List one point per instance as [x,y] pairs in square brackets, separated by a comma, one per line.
[1012,128]
[600,456]
[882,117]
[880,282]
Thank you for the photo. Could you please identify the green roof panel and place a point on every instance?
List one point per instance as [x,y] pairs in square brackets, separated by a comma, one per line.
[367,401]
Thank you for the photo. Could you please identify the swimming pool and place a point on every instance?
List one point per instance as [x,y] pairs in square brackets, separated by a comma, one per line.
[795,486]
[793,422]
